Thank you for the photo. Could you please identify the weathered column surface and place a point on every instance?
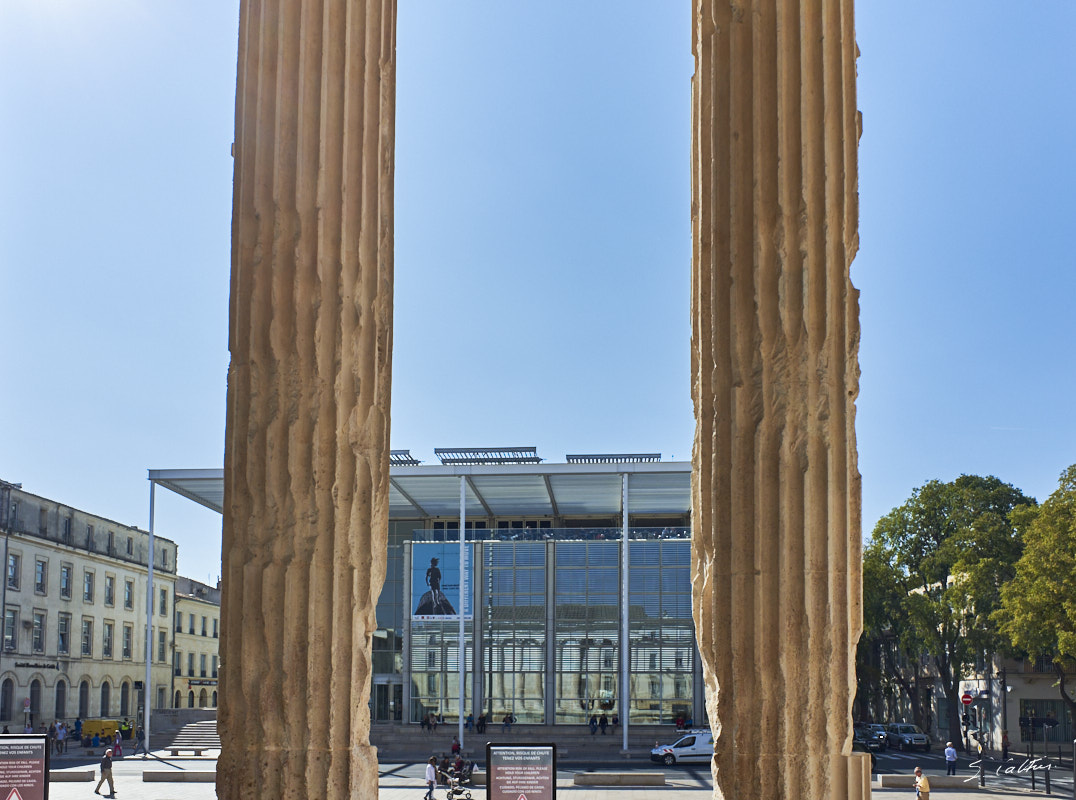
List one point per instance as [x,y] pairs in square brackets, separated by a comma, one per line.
[776,494]
[306,459]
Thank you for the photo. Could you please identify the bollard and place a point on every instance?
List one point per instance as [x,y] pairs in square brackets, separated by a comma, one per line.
[982,771]
[1046,779]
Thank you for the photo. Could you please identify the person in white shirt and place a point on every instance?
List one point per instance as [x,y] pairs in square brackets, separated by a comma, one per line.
[950,759]
[431,777]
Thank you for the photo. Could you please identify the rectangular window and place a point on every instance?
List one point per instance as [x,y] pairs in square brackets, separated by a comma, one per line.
[87,637]
[190,664]
[162,640]
[110,590]
[164,603]
[179,621]
[130,546]
[214,666]
[89,538]
[39,632]
[106,640]
[14,568]
[202,664]
[128,594]
[190,628]
[216,633]
[66,573]
[41,570]
[177,663]
[11,629]
[87,586]
[43,521]
[204,631]
[128,636]
[67,530]
[111,541]
[63,633]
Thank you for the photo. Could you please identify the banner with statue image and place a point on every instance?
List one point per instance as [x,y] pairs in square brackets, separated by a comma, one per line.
[435,580]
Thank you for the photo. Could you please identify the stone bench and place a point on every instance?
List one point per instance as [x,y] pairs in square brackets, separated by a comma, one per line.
[71,776]
[175,751]
[966,781]
[619,779]
[179,776]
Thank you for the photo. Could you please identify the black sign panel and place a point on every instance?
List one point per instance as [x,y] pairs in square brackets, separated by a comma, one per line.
[24,767]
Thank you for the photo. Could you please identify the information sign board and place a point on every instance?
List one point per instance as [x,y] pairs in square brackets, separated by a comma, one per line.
[24,767]
[521,771]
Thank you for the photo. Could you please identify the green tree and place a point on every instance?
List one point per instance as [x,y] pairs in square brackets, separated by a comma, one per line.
[951,547]
[1038,606]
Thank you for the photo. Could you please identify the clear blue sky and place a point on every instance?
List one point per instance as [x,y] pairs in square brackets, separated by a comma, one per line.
[542,235]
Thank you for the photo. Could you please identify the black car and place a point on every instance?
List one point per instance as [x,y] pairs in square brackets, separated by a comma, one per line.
[861,746]
[872,739]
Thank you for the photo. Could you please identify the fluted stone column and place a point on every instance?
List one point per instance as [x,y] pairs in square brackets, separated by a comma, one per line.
[306,459]
[776,493]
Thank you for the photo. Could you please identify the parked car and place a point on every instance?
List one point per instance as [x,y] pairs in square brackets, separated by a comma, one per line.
[880,735]
[905,736]
[696,745]
[862,733]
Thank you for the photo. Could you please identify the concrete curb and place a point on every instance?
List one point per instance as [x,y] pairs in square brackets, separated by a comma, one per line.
[175,776]
[72,776]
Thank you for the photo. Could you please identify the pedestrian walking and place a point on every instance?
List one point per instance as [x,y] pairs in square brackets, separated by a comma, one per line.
[140,742]
[593,724]
[922,785]
[106,774]
[603,723]
[950,759]
[431,777]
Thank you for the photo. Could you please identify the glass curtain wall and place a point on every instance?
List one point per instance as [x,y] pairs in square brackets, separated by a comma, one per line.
[515,625]
[661,632]
[387,643]
[587,637]
[435,668]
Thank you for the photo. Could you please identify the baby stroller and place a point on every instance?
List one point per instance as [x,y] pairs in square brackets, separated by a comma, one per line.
[454,790]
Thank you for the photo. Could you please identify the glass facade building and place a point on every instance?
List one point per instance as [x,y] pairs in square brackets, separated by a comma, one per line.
[544,642]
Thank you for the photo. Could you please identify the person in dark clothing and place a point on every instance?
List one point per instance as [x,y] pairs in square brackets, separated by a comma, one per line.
[106,774]
[603,723]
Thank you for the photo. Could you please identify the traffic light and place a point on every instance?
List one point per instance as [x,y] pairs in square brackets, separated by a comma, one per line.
[965,720]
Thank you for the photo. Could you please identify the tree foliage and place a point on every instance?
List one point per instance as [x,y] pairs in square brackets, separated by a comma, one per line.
[1038,606]
[945,554]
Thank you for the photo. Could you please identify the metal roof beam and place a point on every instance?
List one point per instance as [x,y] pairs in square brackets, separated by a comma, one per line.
[478,494]
[422,512]
[552,497]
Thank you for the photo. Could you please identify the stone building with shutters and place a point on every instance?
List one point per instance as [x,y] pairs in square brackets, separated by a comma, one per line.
[196,662]
[73,605]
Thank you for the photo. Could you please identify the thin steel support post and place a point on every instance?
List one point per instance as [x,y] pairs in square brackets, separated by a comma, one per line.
[462,602]
[149,623]
[625,650]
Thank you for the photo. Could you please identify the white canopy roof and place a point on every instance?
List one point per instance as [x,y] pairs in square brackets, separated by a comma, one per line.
[497,490]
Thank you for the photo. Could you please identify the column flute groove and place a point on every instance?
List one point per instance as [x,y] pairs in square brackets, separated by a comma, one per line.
[775,494]
[306,454]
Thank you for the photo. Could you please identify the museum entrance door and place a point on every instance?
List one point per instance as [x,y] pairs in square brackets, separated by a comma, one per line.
[387,700]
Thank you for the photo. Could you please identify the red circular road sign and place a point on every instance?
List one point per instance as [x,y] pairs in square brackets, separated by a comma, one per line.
[965,699]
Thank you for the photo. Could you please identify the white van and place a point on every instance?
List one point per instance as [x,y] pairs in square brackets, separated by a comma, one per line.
[694,745]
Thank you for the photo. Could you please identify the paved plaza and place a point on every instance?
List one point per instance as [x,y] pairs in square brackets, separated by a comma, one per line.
[404,782]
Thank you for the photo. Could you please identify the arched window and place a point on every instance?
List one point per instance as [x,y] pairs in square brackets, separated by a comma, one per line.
[190,699]
[179,700]
[203,699]
[84,699]
[35,699]
[7,699]
[214,699]
[61,700]
[106,699]
[125,698]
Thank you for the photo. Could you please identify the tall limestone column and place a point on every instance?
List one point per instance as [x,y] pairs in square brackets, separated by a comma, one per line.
[307,444]
[776,495]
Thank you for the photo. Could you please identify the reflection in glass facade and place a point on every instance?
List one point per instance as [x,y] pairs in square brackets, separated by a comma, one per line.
[515,623]
[548,627]
[587,634]
[661,631]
